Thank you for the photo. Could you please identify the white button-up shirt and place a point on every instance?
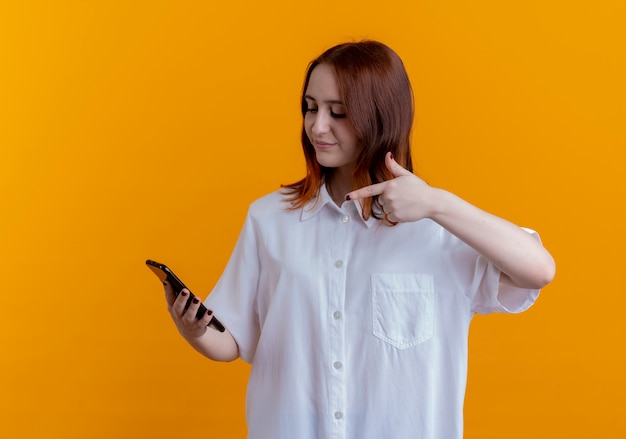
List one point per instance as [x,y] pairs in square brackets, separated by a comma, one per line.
[354,329]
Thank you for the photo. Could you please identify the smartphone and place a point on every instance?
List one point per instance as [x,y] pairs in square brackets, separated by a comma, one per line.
[165,274]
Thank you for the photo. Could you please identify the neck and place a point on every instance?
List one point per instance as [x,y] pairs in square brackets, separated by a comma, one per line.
[338,185]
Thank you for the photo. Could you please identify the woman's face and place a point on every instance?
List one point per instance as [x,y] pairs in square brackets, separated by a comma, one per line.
[325,121]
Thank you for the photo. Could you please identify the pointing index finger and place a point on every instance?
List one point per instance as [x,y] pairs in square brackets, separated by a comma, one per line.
[367,191]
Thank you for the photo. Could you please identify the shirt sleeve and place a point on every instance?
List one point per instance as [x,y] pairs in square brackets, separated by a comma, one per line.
[493,296]
[234,296]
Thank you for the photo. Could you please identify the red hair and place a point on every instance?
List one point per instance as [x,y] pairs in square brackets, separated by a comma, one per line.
[377,95]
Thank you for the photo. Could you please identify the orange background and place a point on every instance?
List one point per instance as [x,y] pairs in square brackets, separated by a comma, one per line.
[143,129]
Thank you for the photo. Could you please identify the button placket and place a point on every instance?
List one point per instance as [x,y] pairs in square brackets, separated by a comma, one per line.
[339,253]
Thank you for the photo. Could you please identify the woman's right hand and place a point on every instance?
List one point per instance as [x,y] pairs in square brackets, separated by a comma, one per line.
[218,346]
[185,319]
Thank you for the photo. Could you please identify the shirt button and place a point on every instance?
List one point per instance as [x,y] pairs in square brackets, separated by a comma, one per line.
[337,365]
[337,315]
[338,415]
[339,264]
[345,219]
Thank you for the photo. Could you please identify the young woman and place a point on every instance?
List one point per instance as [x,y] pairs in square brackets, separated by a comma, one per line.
[351,291]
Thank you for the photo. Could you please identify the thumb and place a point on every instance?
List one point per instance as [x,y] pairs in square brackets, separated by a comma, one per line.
[394,167]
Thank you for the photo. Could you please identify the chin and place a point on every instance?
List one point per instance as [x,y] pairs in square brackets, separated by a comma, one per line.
[328,162]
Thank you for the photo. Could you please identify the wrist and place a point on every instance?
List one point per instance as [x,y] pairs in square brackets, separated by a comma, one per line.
[439,201]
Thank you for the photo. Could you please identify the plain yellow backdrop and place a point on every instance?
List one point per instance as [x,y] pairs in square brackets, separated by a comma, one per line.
[143,129]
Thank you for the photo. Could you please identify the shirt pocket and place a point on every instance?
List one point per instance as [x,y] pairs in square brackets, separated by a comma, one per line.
[403,308]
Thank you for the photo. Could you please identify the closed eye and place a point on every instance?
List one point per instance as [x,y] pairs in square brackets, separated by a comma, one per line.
[313,108]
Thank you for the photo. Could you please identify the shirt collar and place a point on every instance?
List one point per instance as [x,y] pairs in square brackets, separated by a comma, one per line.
[322,198]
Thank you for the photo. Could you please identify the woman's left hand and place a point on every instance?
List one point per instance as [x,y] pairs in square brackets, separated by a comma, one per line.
[404,198]
[521,258]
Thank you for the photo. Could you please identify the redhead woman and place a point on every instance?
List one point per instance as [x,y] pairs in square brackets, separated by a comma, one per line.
[351,291]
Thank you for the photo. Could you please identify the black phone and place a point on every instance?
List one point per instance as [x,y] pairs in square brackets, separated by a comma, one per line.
[165,274]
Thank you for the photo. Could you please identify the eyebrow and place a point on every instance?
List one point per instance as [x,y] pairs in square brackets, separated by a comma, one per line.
[330,101]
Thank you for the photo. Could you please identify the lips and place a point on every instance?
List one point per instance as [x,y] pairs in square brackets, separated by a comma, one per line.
[322,145]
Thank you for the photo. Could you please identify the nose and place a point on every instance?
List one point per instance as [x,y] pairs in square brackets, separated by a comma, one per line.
[321,123]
